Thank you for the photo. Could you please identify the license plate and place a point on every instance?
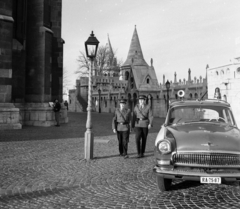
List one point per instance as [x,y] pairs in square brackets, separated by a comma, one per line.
[210,180]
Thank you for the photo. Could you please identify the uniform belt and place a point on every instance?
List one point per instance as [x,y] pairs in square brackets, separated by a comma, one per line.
[142,118]
[122,123]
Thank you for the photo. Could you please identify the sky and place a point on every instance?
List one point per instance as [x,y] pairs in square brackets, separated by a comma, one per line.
[176,34]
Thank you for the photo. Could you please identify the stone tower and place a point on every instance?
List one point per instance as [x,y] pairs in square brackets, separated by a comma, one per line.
[31,48]
[141,77]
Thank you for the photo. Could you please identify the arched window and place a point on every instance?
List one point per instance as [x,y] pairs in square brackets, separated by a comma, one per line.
[126,75]
[147,80]
[190,95]
[176,96]
[216,72]
[196,95]
[238,70]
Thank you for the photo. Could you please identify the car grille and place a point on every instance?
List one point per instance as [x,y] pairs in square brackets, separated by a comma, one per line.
[206,159]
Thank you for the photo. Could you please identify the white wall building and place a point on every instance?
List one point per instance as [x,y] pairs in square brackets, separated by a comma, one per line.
[227,78]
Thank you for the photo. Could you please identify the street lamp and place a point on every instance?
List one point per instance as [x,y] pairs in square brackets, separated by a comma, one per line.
[99,95]
[91,46]
[167,84]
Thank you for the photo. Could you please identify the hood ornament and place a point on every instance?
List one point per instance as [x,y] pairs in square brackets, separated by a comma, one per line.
[209,144]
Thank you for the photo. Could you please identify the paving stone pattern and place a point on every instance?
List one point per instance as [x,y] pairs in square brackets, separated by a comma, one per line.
[52,173]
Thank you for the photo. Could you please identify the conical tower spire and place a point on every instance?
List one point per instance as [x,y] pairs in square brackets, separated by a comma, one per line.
[110,47]
[111,54]
[135,55]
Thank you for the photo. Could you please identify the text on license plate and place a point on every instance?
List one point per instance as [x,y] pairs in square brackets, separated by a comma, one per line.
[210,180]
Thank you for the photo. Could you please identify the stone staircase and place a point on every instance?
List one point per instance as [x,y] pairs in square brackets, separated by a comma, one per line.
[82,103]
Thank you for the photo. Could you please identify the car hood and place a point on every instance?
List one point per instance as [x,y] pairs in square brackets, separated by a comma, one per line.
[206,137]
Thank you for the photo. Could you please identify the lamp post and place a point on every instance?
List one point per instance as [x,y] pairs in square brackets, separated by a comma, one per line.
[99,103]
[167,84]
[91,46]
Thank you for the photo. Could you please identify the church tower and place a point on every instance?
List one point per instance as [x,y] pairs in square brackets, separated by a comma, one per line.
[140,76]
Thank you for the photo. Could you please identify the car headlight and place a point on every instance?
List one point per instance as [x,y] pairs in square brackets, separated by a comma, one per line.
[164,147]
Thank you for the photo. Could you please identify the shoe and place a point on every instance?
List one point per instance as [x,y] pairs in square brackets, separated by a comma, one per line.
[57,125]
[142,155]
[120,154]
[138,156]
[126,156]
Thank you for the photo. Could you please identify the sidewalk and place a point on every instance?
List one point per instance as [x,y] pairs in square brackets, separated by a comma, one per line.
[102,126]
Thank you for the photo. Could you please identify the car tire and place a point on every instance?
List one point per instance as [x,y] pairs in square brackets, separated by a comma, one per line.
[163,184]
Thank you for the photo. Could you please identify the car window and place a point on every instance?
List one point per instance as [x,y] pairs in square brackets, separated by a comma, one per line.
[186,114]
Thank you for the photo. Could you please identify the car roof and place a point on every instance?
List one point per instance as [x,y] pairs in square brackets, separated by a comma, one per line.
[200,102]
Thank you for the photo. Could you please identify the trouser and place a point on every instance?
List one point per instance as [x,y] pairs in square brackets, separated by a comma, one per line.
[141,135]
[57,117]
[123,141]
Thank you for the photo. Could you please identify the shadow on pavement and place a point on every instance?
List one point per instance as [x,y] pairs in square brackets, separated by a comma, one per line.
[8,198]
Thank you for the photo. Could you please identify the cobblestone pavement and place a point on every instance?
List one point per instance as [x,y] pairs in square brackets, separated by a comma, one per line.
[52,173]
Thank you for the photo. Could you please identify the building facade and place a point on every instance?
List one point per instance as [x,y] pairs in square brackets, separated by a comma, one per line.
[195,88]
[135,77]
[227,79]
[31,62]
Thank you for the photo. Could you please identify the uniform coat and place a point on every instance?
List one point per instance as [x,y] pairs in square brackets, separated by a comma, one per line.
[142,118]
[121,117]
[121,122]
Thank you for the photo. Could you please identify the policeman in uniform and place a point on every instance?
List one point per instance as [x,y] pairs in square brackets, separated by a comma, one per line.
[121,124]
[142,121]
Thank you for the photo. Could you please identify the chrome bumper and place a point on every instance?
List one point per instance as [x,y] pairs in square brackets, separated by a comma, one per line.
[170,173]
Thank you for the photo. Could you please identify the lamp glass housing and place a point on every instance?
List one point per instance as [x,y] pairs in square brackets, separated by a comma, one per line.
[91,46]
[167,84]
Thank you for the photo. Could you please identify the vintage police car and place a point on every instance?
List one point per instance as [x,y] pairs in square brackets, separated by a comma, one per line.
[198,141]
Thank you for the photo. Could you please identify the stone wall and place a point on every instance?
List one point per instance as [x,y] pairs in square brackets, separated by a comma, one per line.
[9,117]
[40,114]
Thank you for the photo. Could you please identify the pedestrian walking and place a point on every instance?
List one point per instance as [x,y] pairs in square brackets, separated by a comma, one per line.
[56,109]
[121,124]
[66,104]
[142,121]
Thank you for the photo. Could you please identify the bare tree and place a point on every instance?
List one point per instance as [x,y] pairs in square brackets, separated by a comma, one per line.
[84,64]
[104,62]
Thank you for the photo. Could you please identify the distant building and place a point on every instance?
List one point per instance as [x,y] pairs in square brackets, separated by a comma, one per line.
[134,78]
[227,79]
[141,78]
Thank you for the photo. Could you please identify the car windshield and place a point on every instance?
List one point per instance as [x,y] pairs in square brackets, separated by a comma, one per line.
[189,114]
